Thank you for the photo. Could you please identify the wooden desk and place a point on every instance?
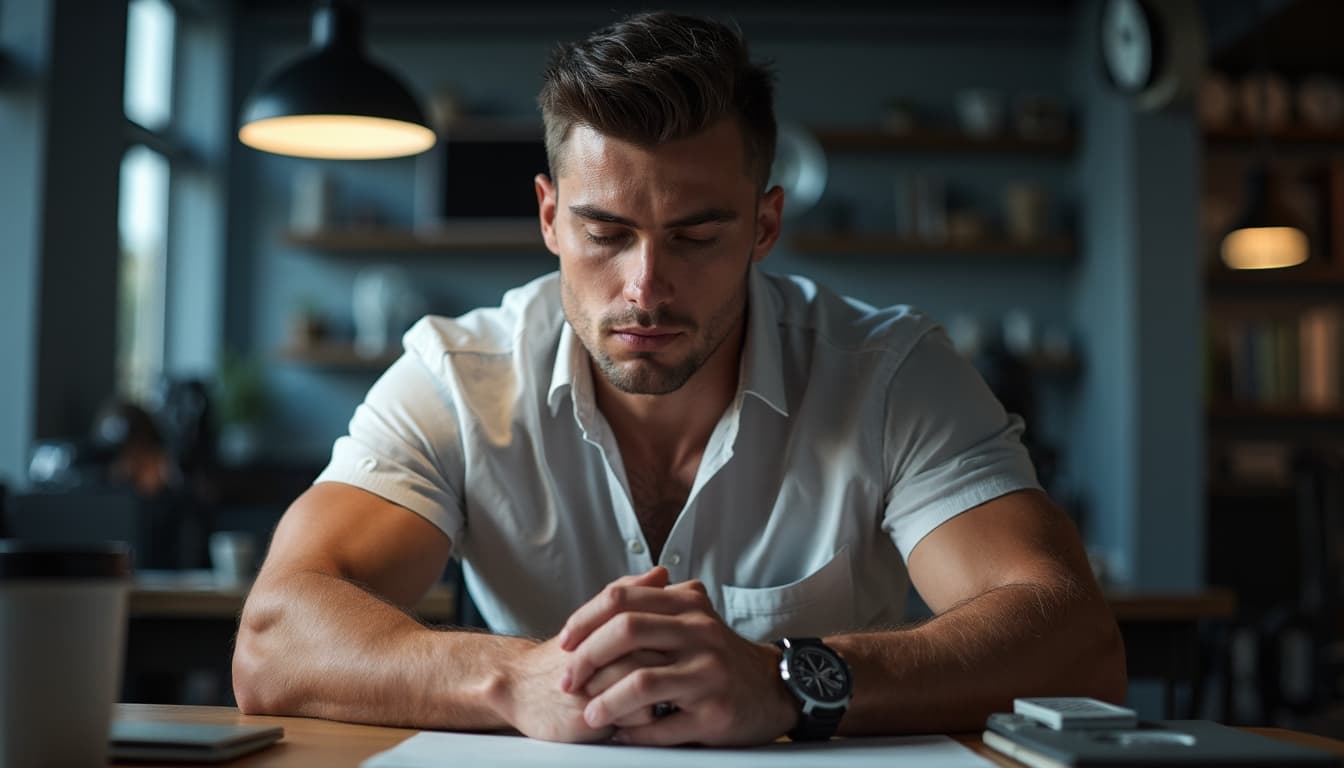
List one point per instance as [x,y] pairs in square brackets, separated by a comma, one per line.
[196,595]
[310,742]
[1164,632]
[182,625]
[1133,607]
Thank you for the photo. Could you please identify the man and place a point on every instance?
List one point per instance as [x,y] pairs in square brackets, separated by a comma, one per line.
[660,461]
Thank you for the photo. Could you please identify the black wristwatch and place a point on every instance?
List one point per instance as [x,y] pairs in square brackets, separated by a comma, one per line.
[819,679]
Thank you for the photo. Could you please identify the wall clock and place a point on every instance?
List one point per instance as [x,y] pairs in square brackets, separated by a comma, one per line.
[1151,51]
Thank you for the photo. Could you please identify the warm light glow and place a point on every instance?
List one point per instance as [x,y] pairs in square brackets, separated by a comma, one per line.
[337,137]
[1264,248]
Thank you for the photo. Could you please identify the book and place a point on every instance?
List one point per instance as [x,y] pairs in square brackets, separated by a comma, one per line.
[1168,742]
[1321,333]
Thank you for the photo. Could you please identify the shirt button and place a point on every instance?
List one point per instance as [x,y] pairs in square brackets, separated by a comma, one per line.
[637,546]
[674,559]
[368,464]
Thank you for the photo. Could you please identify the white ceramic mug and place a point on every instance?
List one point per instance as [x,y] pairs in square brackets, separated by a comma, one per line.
[62,643]
[233,557]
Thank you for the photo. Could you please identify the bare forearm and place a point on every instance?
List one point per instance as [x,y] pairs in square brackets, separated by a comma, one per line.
[951,672]
[315,645]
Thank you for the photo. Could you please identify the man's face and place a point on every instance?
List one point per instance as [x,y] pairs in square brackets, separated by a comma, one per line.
[654,246]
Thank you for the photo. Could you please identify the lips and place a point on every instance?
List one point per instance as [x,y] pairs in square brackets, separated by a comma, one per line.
[644,339]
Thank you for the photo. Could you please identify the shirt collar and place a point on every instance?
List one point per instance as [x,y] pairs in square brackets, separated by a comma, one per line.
[570,359]
[761,372]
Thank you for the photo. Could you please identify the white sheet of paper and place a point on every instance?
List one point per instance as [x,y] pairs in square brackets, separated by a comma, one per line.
[433,749]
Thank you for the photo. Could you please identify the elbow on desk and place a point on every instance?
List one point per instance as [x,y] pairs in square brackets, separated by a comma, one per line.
[258,685]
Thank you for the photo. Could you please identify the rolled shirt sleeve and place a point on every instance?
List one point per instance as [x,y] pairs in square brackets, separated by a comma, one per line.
[405,446]
[949,444]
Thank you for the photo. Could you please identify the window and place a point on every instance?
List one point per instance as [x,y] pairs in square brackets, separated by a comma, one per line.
[149,63]
[143,228]
[146,179]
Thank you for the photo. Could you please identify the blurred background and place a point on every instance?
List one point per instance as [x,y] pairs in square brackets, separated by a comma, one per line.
[187,323]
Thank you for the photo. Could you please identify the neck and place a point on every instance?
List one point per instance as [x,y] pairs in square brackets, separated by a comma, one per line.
[676,426]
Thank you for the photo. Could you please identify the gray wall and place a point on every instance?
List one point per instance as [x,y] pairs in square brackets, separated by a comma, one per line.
[1138,306]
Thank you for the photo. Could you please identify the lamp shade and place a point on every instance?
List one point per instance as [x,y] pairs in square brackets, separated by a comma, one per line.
[1267,236]
[333,101]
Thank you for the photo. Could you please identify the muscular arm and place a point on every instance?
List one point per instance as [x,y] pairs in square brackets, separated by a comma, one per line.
[315,640]
[1017,613]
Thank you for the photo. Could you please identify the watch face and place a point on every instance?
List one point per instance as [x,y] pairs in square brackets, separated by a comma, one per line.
[1127,44]
[819,675]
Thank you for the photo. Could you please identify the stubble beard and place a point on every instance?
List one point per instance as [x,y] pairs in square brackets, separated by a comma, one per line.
[642,374]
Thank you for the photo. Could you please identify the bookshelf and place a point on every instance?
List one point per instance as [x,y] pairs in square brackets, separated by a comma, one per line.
[865,138]
[1056,249]
[336,356]
[1275,352]
[1238,137]
[502,237]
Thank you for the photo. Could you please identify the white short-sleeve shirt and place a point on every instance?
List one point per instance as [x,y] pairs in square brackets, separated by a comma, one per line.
[854,432]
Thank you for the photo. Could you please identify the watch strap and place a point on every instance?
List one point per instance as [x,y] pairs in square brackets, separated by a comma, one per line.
[820,725]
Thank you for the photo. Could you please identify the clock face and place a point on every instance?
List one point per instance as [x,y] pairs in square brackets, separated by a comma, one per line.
[1127,44]
[819,675]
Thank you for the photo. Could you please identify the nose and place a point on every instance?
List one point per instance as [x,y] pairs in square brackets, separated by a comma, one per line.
[647,284]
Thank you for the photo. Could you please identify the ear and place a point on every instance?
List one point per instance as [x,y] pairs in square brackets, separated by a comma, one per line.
[769,218]
[546,192]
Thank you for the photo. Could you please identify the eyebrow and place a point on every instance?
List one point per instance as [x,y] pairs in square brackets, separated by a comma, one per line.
[707,216]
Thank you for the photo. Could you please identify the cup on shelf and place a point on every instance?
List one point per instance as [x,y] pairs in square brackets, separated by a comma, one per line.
[1024,211]
[312,202]
[233,556]
[1040,118]
[1019,332]
[980,112]
[62,640]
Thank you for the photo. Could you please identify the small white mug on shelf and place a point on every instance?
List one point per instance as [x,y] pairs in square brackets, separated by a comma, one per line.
[233,557]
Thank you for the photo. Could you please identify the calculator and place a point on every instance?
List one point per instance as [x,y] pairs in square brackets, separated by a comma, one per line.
[1070,713]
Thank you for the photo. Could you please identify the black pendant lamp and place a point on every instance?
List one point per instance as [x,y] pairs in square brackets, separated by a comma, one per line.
[1268,234]
[334,102]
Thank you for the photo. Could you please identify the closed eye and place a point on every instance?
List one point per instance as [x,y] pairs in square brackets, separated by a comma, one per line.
[604,239]
[698,242]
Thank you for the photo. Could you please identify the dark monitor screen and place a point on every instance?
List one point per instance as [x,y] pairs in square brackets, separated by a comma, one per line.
[483,172]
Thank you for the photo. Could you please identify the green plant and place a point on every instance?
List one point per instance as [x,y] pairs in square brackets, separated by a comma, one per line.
[240,390]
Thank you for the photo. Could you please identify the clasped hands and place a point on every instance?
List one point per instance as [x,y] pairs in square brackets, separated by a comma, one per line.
[642,642]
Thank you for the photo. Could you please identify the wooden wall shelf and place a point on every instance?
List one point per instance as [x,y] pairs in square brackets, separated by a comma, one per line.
[336,355]
[1262,413]
[1291,278]
[1293,135]
[857,139]
[1051,249]
[505,238]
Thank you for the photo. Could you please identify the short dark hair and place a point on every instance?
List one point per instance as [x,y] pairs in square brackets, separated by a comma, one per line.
[657,77]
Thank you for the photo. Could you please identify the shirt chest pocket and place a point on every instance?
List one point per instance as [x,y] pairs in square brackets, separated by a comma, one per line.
[818,604]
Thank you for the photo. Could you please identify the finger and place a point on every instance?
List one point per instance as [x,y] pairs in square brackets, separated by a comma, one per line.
[639,717]
[606,676]
[620,596]
[638,691]
[654,578]
[679,728]
[624,634]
